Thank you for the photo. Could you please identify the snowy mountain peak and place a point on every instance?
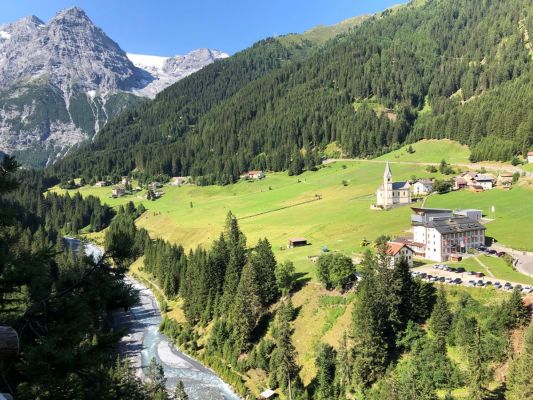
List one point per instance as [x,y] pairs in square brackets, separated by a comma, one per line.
[167,70]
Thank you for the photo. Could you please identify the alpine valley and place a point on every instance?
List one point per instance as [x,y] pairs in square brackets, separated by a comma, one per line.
[63,81]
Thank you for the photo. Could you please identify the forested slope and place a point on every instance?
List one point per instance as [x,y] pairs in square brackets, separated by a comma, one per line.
[429,70]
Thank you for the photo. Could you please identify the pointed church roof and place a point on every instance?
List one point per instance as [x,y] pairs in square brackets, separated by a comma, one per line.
[388,173]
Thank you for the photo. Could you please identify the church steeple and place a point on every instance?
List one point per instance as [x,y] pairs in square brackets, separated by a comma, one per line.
[387,176]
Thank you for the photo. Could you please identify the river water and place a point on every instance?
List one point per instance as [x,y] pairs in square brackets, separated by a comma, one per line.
[143,342]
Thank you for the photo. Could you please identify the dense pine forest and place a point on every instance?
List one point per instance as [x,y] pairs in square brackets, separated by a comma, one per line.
[457,69]
[61,302]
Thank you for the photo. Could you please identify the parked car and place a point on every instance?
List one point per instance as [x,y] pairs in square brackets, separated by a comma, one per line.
[501,253]
[460,270]
[442,279]
[488,283]
[480,283]
[507,286]
[493,252]
[482,248]
[471,283]
[452,269]
[457,281]
[497,285]
[527,289]
[480,274]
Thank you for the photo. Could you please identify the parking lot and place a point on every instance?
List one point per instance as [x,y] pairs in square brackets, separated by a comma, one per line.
[444,274]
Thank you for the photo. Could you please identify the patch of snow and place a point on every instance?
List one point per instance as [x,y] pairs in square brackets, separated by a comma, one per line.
[4,35]
[145,61]
[91,94]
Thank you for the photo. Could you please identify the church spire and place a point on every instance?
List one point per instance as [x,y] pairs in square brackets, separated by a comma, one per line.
[387,176]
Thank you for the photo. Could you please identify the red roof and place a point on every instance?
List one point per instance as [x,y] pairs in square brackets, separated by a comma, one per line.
[394,247]
[530,153]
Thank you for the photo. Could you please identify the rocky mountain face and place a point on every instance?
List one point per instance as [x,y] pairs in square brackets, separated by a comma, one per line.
[62,81]
[168,70]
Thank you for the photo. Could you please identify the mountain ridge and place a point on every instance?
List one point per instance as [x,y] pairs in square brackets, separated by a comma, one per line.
[62,81]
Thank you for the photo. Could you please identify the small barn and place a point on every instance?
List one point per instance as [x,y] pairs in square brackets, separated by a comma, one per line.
[297,242]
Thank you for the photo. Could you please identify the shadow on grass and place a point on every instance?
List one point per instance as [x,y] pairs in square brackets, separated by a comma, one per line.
[301,279]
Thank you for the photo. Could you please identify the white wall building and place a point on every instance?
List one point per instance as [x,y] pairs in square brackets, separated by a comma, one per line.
[446,237]
[422,187]
[530,157]
[392,193]
[396,251]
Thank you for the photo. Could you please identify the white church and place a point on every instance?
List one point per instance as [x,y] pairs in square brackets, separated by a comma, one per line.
[391,193]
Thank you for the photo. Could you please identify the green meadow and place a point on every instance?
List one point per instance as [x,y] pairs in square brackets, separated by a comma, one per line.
[431,151]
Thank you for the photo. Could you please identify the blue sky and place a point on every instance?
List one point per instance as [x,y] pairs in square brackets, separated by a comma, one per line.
[168,27]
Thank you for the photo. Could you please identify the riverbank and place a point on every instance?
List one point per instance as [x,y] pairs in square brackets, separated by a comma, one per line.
[144,341]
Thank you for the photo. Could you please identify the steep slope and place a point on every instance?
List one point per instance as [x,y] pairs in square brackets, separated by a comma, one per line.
[368,91]
[63,81]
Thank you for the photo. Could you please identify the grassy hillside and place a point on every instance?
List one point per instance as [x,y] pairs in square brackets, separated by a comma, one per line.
[431,151]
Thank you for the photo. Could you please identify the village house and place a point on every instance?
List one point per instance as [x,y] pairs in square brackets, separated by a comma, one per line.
[422,187]
[530,157]
[180,180]
[118,191]
[505,180]
[485,181]
[101,183]
[446,235]
[397,251]
[390,193]
[474,181]
[253,175]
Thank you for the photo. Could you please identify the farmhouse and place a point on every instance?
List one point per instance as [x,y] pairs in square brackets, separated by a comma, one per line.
[446,235]
[485,181]
[392,193]
[422,187]
[297,242]
[505,179]
[118,191]
[398,250]
[101,183]
[253,175]
[530,157]
[473,180]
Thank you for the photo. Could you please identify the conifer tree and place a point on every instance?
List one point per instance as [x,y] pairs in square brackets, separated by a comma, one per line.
[264,262]
[343,373]
[246,308]
[517,309]
[477,365]
[179,392]
[520,378]
[283,367]
[440,321]
[326,367]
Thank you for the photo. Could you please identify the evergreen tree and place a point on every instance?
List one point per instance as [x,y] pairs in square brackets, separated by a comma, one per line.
[519,377]
[264,262]
[517,310]
[285,277]
[343,372]
[283,367]
[247,307]
[440,321]
[478,368]
[179,392]
[156,380]
[326,367]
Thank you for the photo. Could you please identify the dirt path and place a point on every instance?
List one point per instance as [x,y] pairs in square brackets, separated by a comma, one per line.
[487,269]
